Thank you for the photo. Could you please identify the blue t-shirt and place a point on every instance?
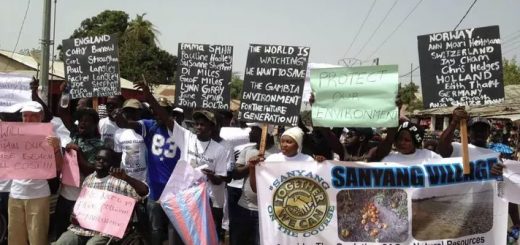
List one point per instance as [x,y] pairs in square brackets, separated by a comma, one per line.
[163,155]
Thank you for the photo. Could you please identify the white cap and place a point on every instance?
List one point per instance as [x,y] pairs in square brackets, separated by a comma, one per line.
[297,134]
[31,106]
[178,109]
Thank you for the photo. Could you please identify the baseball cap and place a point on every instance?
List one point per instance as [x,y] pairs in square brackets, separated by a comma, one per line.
[164,102]
[178,109]
[132,103]
[206,114]
[476,120]
[31,106]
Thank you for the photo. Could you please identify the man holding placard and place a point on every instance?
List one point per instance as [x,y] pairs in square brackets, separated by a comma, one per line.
[109,179]
[29,200]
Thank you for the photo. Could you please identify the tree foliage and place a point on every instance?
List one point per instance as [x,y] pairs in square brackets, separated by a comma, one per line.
[511,72]
[139,54]
[407,95]
[236,86]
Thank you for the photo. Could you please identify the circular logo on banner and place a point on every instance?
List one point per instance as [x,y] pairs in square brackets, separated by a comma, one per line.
[300,204]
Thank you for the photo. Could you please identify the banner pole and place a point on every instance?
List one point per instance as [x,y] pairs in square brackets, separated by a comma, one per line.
[263,140]
[95,103]
[464,142]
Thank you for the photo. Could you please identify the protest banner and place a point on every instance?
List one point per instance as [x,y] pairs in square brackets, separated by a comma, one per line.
[462,67]
[355,96]
[25,152]
[273,84]
[104,211]
[190,213]
[92,66]
[431,202]
[70,171]
[14,89]
[203,76]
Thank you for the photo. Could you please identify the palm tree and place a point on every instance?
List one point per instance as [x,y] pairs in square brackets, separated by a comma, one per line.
[142,30]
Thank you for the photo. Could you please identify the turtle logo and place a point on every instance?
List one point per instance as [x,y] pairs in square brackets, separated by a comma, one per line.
[300,205]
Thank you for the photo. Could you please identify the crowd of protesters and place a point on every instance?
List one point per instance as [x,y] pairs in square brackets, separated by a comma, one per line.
[135,148]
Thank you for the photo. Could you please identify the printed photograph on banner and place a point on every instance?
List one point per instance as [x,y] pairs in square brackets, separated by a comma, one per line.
[452,211]
[379,215]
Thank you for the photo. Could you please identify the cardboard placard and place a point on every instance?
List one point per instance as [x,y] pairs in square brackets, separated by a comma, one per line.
[355,96]
[14,89]
[462,67]
[273,84]
[203,76]
[24,151]
[92,66]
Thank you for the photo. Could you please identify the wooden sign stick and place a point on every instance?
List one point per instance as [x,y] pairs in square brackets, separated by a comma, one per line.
[464,142]
[261,149]
[95,103]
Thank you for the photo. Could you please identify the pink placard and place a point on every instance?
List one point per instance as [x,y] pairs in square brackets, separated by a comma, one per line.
[24,151]
[70,170]
[104,211]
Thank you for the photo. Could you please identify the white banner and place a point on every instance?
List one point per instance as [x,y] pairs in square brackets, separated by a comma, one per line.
[13,90]
[387,203]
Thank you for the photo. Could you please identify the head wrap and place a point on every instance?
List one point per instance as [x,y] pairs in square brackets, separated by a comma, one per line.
[415,130]
[297,134]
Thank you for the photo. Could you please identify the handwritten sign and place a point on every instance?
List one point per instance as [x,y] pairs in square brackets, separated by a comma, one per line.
[355,96]
[273,84]
[203,76]
[92,66]
[462,67]
[104,211]
[70,171]
[24,151]
[14,89]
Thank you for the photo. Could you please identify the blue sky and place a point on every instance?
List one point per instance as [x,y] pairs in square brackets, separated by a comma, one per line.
[328,27]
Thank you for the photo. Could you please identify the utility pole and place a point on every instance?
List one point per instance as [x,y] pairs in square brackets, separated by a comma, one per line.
[411,71]
[45,44]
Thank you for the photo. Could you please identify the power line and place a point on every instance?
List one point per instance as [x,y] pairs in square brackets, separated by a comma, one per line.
[19,33]
[395,30]
[377,28]
[466,14]
[461,19]
[360,28]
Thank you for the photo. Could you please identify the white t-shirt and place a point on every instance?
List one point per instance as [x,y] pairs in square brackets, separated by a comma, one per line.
[29,188]
[248,199]
[198,153]
[280,157]
[133,159]
[235,137]
[419,156]
[472,150]
[5,185]
[61,131]
[107,129]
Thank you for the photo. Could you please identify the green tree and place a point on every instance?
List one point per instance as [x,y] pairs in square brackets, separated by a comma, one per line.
[142,30]
[139,54]
[511,72]
[407,95]
[236,86]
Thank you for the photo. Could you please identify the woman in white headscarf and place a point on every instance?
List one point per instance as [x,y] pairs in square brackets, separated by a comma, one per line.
[290,146]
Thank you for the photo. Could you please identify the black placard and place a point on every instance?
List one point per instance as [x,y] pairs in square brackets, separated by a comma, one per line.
[203,76]
[273,84]
[460,68]
[92,66]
